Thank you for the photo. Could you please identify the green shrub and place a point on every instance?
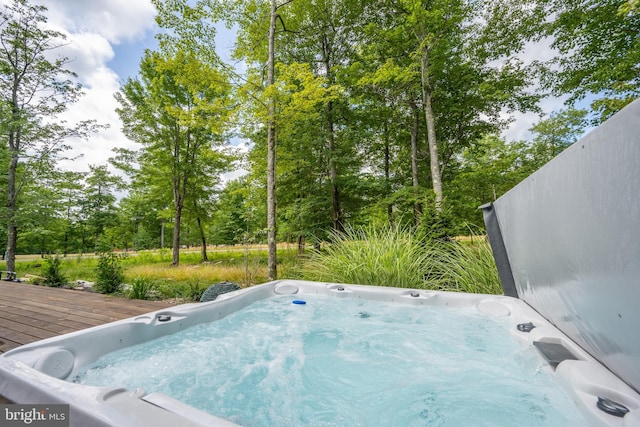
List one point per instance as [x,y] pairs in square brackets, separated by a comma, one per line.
[167,289]
[52,272]
[109,273]
[191,290]
[194,290]
[141,287]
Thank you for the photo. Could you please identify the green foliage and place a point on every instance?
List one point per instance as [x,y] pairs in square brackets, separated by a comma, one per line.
[485,171]
[629,6]
[32,131]
[396,257]
[350,116]
[555,133]
[109,273]
[596,47]
[436,226]
[178,111]
[194,290]
[230,222]
[141,288]
[98,205]
[465,267]
[52,272]
[386,257]
[190,290]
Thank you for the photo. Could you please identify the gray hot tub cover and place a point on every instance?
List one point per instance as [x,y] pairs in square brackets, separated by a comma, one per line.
[567,242]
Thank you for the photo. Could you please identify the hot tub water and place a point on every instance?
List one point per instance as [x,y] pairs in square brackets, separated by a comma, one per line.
[346,362]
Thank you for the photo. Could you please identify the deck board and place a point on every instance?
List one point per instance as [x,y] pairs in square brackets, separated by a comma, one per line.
[30,313]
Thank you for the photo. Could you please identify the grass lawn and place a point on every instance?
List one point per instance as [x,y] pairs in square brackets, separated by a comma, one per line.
[392,257]
[245,266]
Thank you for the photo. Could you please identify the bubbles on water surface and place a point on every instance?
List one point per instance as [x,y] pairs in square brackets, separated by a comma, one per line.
[275,363]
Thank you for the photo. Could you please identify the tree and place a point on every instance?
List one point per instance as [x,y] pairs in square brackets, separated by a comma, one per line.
[325,35]
[98,204]
[34,90]
[629,6]
[598,52]
[178,111]
[231,219]
[596,47]
[272,263]
[378,65]
[469,76]
[37,213]
[555,133]
[71,192]
[40,211]
[486,171]
[142,211]
[435,66]
[273,104]
[387,80]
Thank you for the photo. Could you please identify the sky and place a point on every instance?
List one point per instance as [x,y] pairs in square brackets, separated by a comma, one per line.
[105,42]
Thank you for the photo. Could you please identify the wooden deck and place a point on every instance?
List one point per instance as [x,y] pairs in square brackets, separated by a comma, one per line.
[30,313]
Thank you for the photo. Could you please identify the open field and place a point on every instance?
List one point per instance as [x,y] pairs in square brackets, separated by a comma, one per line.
[244,265]
[390,258]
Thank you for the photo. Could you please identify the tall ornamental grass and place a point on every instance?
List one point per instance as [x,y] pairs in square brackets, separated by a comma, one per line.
[141,288]
[369,256]
[467,267]
[395,256]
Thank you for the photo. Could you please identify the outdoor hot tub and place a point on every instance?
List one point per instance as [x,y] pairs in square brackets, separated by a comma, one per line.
[294,361]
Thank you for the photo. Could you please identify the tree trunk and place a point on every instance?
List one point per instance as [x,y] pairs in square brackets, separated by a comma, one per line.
[10,254]
[431,130]
[12,190]
[203,241]
[175,260]
[12,227]
[417,207]
[333,172]
[272,273]
[336,210]
[162,234]
[179,189]
[301,244]
[387,171]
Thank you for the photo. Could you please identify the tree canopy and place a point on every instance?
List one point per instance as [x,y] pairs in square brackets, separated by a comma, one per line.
[177,111]
[352,112]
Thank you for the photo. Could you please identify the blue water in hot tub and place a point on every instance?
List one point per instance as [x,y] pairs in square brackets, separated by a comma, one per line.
[347,362]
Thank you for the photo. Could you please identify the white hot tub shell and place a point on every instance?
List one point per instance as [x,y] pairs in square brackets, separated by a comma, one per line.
[36,373]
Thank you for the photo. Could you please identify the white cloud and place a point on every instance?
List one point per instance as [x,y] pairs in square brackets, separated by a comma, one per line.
[97,31]
[518,130]
[115,20]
